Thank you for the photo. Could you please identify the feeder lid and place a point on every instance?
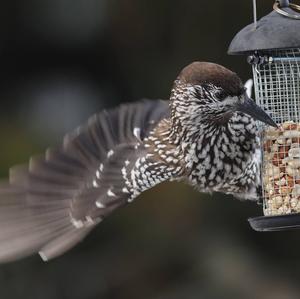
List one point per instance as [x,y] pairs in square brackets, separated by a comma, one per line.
[273,31]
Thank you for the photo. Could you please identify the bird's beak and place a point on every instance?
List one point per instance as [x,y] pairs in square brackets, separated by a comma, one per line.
[248,106]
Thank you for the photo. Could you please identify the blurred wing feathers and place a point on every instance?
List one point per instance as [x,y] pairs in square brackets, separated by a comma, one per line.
[51,203]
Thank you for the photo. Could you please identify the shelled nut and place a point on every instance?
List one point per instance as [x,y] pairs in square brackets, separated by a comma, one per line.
[281,169]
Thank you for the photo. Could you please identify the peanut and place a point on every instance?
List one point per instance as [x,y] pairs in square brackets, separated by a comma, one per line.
[281,169]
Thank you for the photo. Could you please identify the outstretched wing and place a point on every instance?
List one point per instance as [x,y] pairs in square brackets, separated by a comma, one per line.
[51,204]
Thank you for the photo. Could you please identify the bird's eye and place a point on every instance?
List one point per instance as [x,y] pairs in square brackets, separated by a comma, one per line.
[221,95]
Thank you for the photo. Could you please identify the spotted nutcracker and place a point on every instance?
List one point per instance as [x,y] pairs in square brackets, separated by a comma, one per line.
[205,135]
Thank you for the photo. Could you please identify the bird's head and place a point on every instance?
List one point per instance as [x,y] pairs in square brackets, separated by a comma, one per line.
[209,93]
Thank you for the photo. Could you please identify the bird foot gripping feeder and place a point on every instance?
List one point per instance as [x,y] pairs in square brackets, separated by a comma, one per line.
[273,48]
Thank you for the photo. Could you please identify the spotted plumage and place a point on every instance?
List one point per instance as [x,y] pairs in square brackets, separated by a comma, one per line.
[205,135]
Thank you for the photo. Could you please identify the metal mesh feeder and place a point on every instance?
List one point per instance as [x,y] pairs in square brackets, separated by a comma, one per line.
[273,48]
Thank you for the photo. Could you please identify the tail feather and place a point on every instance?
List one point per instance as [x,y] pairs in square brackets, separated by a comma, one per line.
[52,203]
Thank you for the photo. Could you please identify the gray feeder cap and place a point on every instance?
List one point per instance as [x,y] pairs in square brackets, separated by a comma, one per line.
[274,31]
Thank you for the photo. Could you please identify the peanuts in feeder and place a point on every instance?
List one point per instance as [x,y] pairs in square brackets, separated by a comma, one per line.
[281,169]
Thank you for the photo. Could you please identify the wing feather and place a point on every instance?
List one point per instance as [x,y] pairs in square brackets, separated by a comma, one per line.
[54,201]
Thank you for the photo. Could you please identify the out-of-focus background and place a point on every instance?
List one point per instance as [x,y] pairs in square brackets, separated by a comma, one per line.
[63,60]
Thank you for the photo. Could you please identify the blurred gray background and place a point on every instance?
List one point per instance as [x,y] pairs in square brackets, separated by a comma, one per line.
[63,60]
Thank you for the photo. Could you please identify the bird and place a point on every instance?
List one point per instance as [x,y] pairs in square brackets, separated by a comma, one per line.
[206,135]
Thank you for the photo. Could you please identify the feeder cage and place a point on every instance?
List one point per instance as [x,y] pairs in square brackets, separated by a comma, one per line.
[273,48]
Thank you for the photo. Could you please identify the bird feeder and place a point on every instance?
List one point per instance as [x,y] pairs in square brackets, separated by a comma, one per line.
[272,46]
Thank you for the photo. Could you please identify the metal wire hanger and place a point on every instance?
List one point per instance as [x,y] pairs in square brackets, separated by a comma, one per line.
[280,4]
